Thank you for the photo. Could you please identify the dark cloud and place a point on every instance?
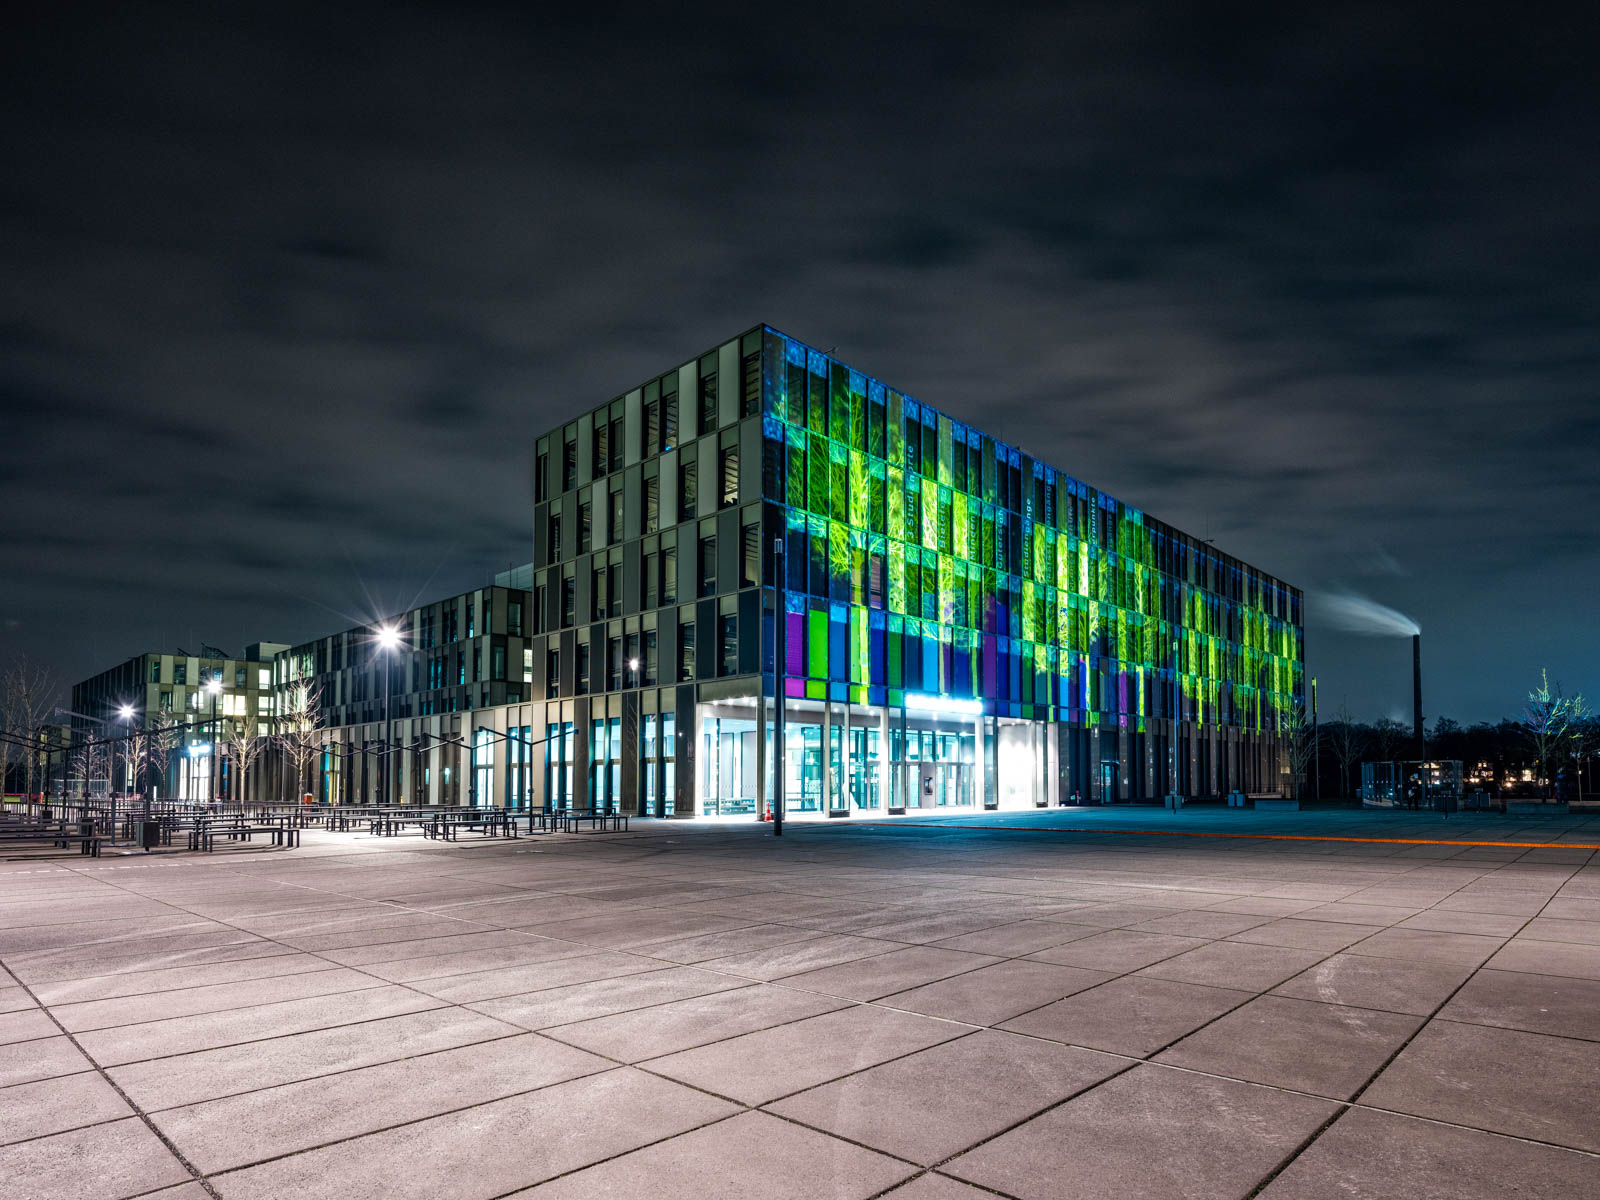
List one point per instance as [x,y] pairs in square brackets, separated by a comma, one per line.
[289,290]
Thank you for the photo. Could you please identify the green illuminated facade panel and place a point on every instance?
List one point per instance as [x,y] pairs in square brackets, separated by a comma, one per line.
[923,556]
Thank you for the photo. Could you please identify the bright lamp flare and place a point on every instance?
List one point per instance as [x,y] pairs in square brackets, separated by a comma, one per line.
[388,637]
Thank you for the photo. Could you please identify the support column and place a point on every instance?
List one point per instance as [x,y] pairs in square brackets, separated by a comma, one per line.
[761,758]
[846,784]
[885,789]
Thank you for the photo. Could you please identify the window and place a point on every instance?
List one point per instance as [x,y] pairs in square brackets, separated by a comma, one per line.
[472,617]
[514,617]
[541,477]
[527,664]
[552,674]
[614,663]
[166,702]
[614,589]
[497,663]
[750,570]
[650,583]
[477,664]
[614,521]
[730,476]
[155,670]
[553,530]
[569,464]
[583,667]
[649,658]
[238,677]
[585,527]
[686,652]
[669,412]
[708,566]
[616,444]
[602,448]
[669,575]
[568,599]
[180,672]
[597,593]
[652,424]
[730,644]
[708,401]
[688,488]
[652,504]
[750,387]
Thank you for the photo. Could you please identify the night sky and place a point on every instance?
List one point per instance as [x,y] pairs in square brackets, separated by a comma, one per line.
[286,293]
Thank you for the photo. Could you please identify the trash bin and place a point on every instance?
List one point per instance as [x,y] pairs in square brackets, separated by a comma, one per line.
[149,834]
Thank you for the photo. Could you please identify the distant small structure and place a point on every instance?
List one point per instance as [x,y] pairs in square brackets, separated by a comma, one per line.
[1435,783]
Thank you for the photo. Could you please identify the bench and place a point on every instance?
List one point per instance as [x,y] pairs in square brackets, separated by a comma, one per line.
[488,822]
[203,832]
[59,837]
[598,820]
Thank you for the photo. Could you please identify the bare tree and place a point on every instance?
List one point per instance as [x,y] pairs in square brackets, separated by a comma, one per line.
[1388,736]
[1300,740]
[299,722]
[1548,720]
[87,763]
[27,691]
[245,747]
[1349,742]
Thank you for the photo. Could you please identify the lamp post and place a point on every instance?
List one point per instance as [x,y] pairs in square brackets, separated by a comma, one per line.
[125,715]
[214,686]
[388,642]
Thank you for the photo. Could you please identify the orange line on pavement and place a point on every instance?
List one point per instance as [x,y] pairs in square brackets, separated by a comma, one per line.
[1282,837]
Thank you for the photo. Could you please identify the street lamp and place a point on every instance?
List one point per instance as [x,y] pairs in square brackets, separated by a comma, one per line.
[388,642]
[214,686]
[125,715]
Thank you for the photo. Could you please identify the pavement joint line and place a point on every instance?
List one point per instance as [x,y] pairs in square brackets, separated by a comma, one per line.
[1278,837]
[105,1077]
[1484,872]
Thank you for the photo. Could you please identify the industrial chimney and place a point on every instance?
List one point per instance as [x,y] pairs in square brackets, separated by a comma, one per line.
[1416,695]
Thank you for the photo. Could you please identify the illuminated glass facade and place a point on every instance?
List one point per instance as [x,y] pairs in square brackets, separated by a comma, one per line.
[963,625]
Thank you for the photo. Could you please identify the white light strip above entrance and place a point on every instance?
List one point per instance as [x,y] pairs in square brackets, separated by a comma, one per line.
[946,704]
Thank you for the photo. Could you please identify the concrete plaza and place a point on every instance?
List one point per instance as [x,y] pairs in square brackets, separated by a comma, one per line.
[924,1010]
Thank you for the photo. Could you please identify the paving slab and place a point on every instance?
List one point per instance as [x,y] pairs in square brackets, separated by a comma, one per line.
[216,1135]
[1393,985]
[1134,1015]
[102,1162]
[1368,1155]
[602,997]
[49,1106]
[1504,1081]
[1568,1007]
[1240,965]
[697,1021]
[1547,958]
[1118,950]
[756,1068]
[44,1058]
[1325,1049]
[937,1102]
[536,1137]
[1152,1133]
[206,1074]
[748,1155]
[868,979]
[995,993]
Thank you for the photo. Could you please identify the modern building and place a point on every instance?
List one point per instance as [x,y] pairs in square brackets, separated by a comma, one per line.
[170,692]
[962,625]
[449,662]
